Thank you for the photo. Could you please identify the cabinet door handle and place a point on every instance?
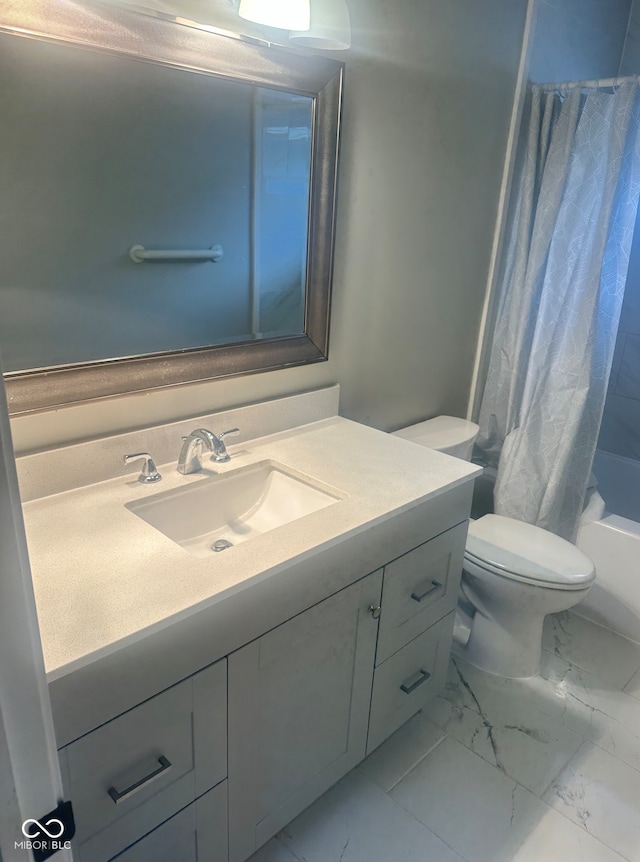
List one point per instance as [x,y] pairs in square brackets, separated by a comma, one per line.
[375,611]
[119,796]
[408,687]
[420,597]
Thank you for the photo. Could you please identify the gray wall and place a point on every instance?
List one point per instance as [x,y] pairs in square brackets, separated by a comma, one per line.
[578,40]
[429,90]
[436,82]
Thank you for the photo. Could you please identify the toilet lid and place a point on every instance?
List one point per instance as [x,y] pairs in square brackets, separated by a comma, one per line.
[441,433]
[526,551]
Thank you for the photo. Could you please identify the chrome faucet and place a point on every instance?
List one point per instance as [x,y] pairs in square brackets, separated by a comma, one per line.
[189,458]
[149,474]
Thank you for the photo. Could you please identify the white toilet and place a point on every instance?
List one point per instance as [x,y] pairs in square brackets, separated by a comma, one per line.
[514,573]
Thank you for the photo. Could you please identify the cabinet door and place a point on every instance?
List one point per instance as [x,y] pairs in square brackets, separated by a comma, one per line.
[198,833]
[299,700]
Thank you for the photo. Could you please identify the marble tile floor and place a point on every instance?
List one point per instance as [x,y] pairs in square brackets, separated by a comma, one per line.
[498,770]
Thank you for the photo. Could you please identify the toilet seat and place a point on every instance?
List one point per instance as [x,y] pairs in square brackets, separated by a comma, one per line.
[524,552]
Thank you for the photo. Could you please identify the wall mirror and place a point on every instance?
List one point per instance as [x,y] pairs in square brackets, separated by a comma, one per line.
[167,208]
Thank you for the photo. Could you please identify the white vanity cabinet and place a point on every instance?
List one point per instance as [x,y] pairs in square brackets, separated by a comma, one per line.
[299,700]
[310,698]
[419,597]
[310,671]
[201,702]
[140,769]
[289,714]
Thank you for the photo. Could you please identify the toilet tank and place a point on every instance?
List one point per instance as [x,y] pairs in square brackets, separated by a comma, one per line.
[447,434]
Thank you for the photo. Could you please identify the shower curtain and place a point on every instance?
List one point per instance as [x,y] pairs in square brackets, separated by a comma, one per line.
[562,285]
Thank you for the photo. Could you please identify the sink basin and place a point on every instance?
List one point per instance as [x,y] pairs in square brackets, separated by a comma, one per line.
[214,514]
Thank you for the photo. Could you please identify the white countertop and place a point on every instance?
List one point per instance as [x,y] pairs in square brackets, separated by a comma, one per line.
[103,578]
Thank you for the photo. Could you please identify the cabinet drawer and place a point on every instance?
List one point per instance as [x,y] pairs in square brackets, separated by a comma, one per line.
[419,588]
[137,770]
[408,680]
[198,832]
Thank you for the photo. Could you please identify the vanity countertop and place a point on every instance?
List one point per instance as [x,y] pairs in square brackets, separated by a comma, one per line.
[103,578]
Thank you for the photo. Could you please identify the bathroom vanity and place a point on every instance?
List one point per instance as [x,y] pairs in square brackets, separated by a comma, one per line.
[202,700]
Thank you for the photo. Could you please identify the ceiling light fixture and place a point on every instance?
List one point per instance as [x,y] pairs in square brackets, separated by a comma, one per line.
[330,27]
[285,14]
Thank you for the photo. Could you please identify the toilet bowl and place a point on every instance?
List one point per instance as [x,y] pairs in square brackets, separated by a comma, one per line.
[514,574]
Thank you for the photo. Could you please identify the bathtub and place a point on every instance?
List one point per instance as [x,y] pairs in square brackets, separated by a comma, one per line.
[610,535]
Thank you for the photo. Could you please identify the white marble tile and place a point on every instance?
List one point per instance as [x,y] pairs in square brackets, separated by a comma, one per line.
[486,816]
[602,795]
[555,839]
[503,721]
[391,761]
[356,822]
[598,712]
[273,851]
[592,647]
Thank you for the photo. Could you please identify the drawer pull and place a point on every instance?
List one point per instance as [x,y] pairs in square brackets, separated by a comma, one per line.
[409,687]
[420,597]
[119,796]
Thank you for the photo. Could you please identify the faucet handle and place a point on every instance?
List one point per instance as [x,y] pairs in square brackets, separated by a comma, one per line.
[220,454]
[232,432]
[149,472]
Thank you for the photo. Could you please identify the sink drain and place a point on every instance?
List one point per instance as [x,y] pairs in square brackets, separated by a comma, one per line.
[221,545]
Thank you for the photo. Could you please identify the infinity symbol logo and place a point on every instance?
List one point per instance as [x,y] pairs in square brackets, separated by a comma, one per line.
[53,824]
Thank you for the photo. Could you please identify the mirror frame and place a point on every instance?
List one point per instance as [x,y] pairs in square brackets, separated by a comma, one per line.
[185,45]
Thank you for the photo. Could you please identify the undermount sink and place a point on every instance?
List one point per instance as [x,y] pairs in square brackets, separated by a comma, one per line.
[216,513]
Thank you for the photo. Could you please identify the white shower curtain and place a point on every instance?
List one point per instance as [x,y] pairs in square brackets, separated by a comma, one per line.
[562,288]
